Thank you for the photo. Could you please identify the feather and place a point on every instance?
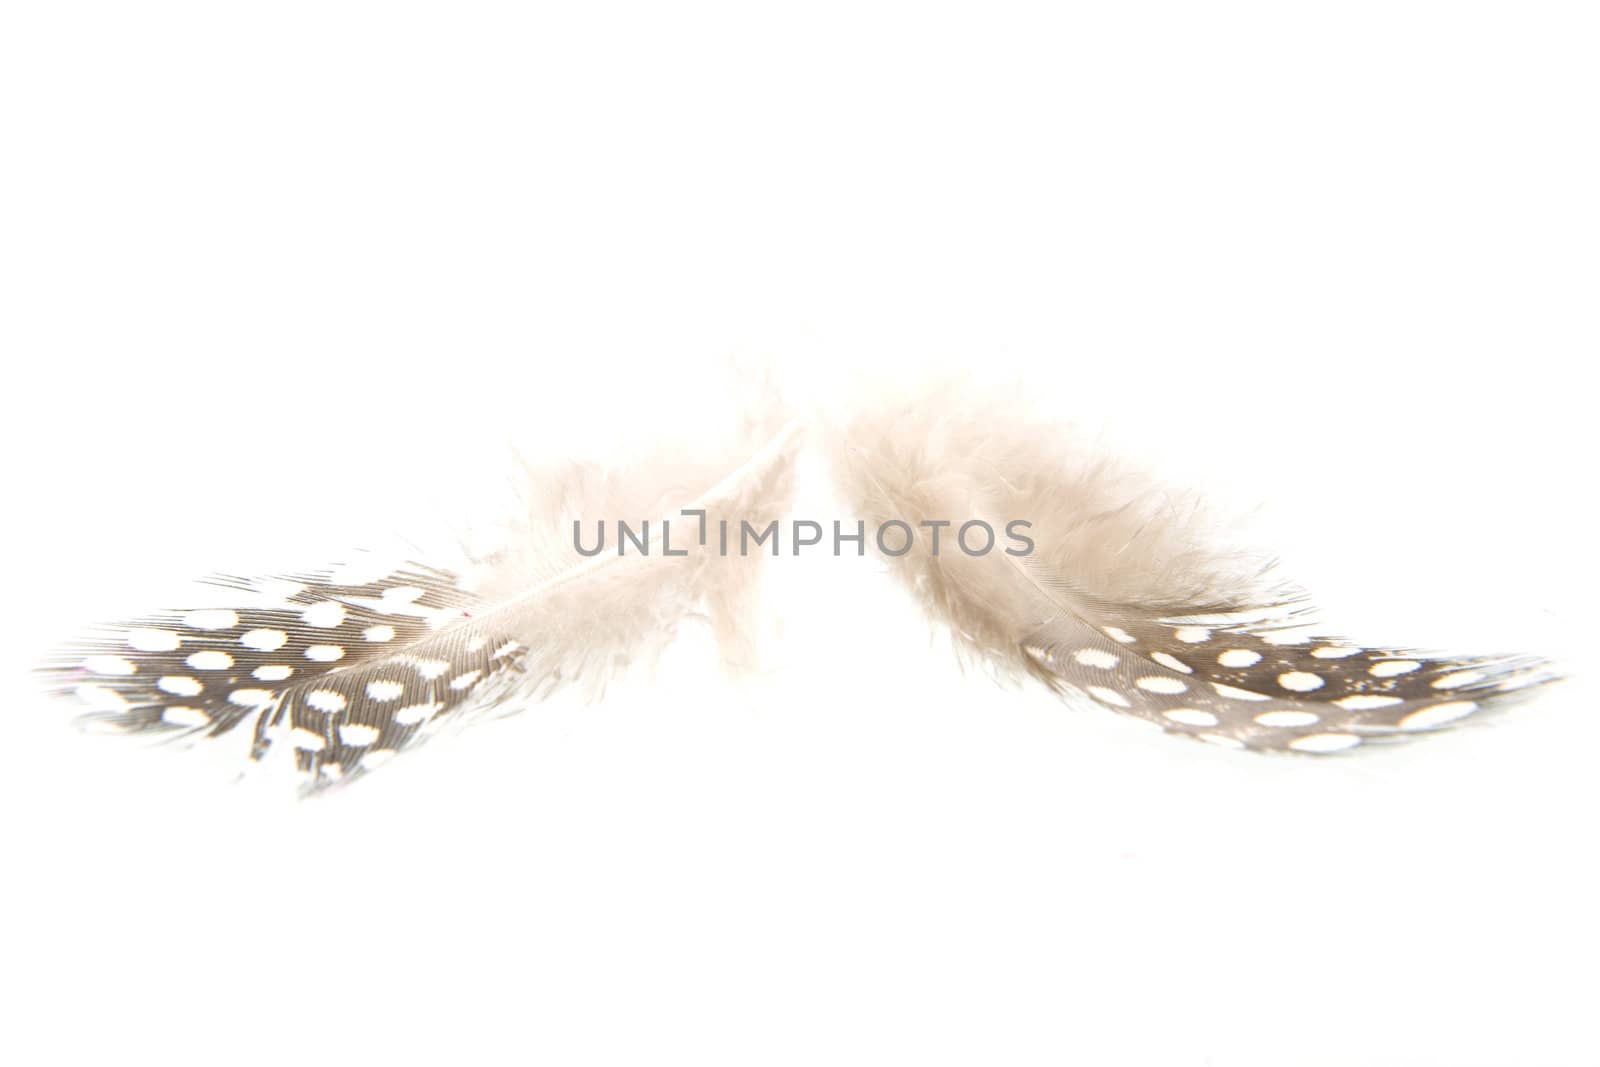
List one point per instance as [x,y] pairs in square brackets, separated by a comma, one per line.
[348,669]
[1123,600]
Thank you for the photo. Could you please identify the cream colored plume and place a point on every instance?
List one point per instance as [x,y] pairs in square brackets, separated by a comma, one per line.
[1126,600]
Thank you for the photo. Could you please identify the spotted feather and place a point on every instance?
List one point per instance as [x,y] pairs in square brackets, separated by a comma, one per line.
[339,671]
[1250,684]
[346,673]
[1124,601]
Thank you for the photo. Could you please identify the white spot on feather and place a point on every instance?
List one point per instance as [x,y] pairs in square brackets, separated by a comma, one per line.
[1324,742]
[1367,702]
[325,700]
[250,698]
[1191,716]
[379,633]
[210,660]
[211,619]
[324,616]
[1286,637]
[1109,696]
[384,690]
[185,716]
[1192,635]
[109,665]
[1237,694]
[149,640]
[1095,657]
[264,640]
[1287,718]
[1239,657]
[1161,684]
[415,713]
[179,685]
[1458,679]
[1172,663]
[272,672]
[325,653]
[1301,681]
[1391,668]
[1116,633]
[1438,715]
[1334,652]
[357,734]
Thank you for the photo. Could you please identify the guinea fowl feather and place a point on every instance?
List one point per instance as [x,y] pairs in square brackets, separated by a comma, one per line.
[1126,602]
[349,672]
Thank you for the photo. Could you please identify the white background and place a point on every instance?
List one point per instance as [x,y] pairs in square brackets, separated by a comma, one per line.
[271,273]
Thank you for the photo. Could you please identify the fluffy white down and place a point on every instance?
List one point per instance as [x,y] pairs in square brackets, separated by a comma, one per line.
[1112,533]
[584,618]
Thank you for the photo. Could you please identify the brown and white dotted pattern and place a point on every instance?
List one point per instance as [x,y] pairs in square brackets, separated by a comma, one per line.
[343,675]
[347,675]
[1272,688]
